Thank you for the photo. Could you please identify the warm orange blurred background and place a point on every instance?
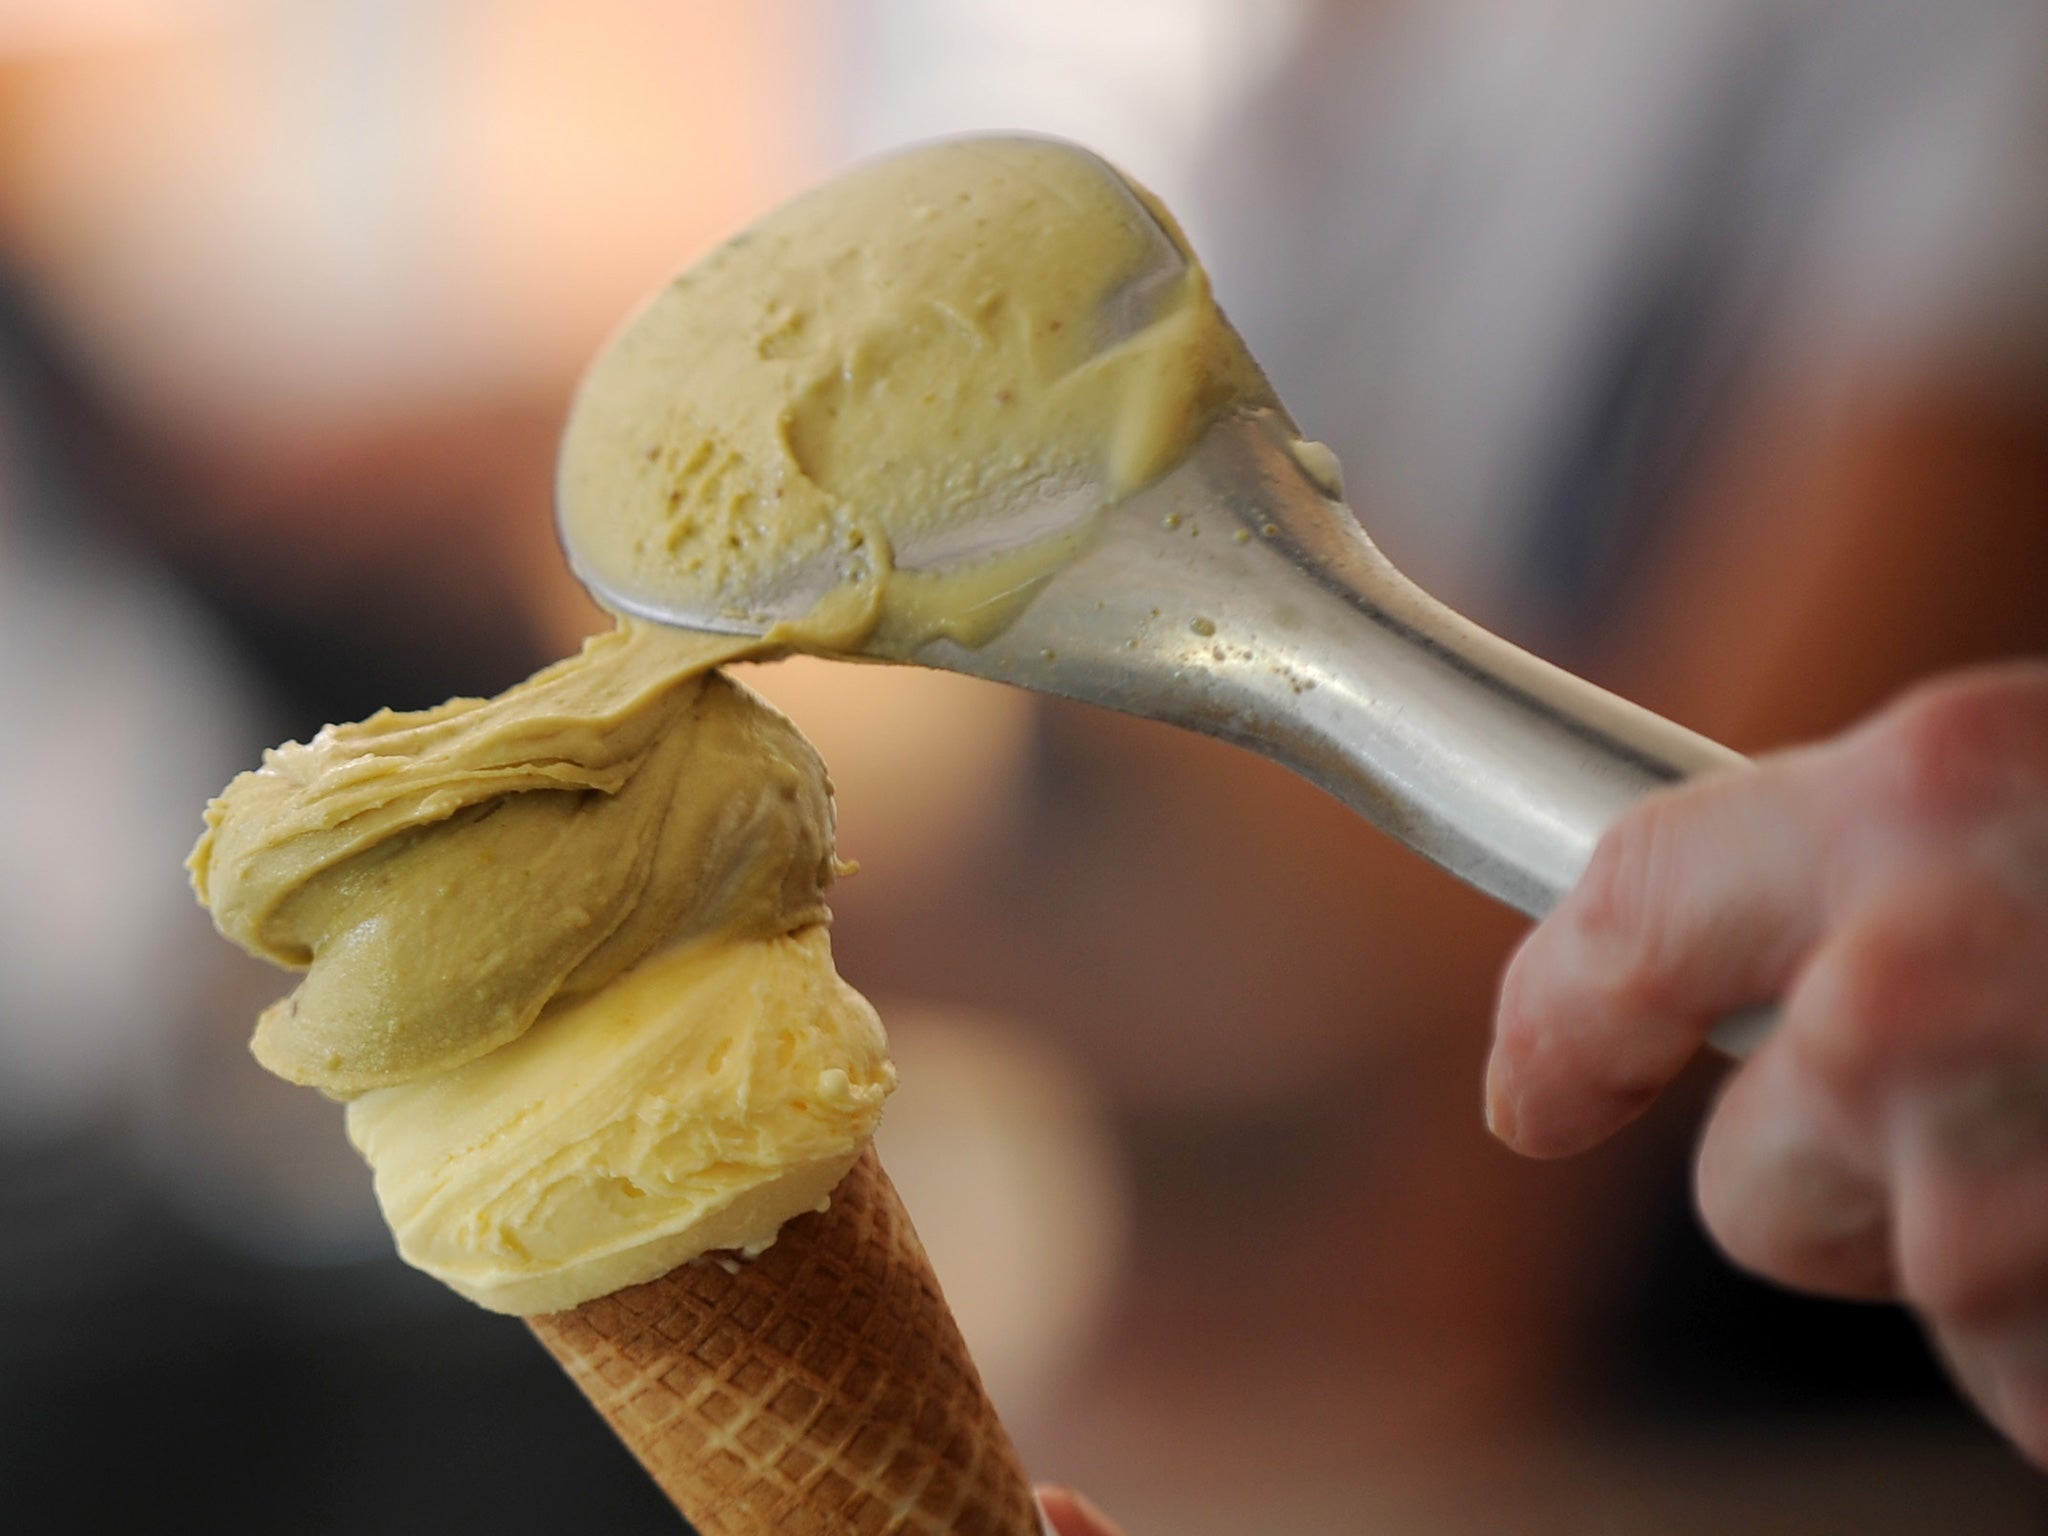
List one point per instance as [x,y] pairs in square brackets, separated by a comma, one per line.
[1700,344]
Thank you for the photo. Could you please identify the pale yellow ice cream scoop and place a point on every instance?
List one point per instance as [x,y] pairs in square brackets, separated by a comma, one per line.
[695,1104]
[568,962]
[449,873]
[890,408]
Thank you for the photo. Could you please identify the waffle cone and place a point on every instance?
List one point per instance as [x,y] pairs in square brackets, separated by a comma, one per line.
[820,1389]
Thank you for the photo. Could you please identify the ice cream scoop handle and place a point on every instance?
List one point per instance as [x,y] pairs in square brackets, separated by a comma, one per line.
[1500,767]
[1234,598]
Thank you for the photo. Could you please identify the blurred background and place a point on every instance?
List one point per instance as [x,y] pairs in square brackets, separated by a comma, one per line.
[1701,345]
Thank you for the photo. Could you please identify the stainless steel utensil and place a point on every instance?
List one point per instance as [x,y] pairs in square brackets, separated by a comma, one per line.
[1238,597]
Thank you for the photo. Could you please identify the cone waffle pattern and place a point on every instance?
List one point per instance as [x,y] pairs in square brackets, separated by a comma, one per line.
[820,1389]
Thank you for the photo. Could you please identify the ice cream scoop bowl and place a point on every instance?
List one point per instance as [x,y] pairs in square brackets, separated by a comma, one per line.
[1219,584]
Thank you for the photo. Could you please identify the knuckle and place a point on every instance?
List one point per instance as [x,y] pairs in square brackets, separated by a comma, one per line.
[1910,979]
[1873,997]
[1933,758]
[1948,752]
[1606,896]
[1849,1041]
[1621,912]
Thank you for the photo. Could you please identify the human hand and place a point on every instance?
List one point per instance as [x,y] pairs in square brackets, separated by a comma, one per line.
[1072,1515]
[1890,1140]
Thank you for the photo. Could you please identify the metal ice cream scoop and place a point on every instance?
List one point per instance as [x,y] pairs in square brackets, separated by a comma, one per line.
[1238,597]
